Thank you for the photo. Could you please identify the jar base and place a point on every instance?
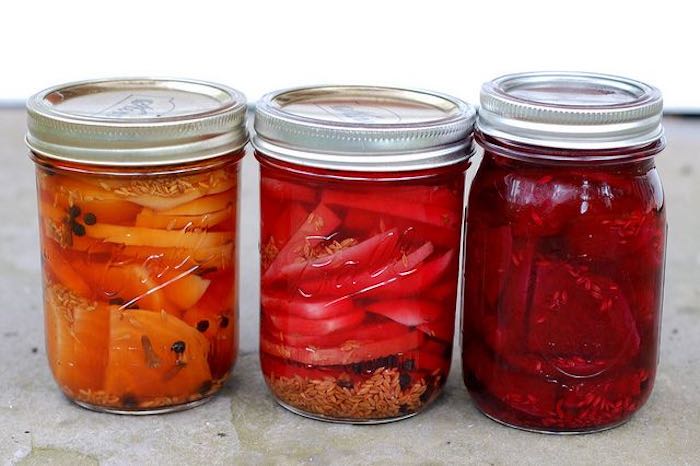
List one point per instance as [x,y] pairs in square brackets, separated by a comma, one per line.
[339,420]
[143,412]
[554,432]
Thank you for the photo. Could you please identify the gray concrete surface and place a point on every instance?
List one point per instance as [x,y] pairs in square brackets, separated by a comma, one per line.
[244,426]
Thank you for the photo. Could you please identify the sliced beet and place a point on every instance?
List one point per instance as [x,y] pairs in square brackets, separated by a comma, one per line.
[576,313]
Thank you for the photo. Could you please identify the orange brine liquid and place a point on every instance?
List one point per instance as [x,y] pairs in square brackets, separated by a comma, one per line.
[140,282]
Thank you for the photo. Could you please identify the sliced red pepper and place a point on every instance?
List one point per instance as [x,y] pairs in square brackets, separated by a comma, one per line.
[318,225]
[366,280]
[289,221]
[409,312]
[442,329]
[427,213]
[440,195]
[370,253]
[297,325]
[353,352]
[447,291]
[371,330]
[416,282]
[306,308]
[272,366]
[362,221]
[286,191]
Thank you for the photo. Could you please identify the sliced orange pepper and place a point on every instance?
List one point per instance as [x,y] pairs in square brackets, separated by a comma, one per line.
[137,236]
[76,334]
[145,360]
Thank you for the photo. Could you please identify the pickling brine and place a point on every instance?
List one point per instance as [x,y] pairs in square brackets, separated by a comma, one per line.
[564,261]
[360,242]
[138,241]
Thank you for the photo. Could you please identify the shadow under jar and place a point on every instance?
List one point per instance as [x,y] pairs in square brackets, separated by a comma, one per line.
[566,236]
[361,208]
[138,184]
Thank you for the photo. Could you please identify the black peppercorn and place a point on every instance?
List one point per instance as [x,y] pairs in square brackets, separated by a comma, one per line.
[404,380]
[203,325]
[224,322]
[89,218]
[74,211]
[78,229]
[178,347]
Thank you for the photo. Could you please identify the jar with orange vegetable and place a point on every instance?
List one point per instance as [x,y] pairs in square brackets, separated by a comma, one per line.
[138,184]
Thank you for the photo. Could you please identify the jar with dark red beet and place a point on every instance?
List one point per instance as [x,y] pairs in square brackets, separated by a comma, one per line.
[361,211]
[566,235]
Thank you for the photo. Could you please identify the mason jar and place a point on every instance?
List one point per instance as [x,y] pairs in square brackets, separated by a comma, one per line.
[565,244]
[361,197]
[138,183]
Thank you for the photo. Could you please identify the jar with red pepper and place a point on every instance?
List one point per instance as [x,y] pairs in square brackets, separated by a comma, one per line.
[566,235]
[361,211]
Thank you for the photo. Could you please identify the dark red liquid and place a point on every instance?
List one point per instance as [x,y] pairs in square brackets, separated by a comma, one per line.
[563,291]
[358,289]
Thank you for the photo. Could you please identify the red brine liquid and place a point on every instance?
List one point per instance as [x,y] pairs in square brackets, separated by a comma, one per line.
[358,289]
[563,290]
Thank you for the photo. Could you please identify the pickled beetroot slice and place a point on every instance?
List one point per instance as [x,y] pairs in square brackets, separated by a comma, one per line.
[541,205]
[532,395]
[286,191]
[372,252]
[356,283]
[352,352]
[318,225]
[306,308]
[425,213]
[489,259]
[516,293]
[615,234]
[371,330]
[301,326]
[409,312]
[416,282]
[578,313]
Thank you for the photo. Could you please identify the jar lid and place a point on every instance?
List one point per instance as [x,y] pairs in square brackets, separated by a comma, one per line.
[136,121]
[571,110]
[364,128]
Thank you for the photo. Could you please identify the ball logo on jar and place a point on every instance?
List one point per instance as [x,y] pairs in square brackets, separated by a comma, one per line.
[136,105]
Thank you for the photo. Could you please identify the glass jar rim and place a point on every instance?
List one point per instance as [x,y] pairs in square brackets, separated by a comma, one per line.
[364,128]
[544,154]
[571,110]
[136,121]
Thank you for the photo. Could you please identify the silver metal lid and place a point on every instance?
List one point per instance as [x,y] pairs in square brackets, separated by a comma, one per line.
[364,128]
[136,121]
[571,110]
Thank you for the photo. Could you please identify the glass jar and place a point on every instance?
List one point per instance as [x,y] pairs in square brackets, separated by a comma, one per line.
[138,184]
[566,235]
[361,208]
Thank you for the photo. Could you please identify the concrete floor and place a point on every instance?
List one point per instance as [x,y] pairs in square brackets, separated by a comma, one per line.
[243,425]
